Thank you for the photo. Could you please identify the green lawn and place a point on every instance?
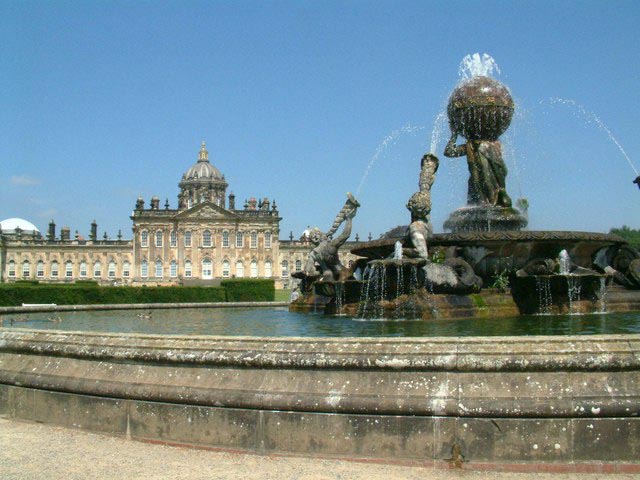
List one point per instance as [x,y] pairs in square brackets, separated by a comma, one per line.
[282,295]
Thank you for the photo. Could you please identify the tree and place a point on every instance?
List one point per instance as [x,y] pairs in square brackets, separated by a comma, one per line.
[629,234]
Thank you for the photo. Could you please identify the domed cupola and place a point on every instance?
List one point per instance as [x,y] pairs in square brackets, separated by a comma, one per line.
[202,182]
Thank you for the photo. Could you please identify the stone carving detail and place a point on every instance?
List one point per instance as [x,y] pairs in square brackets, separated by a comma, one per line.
[420,206]
[454,275]
[480,109]
[323,260]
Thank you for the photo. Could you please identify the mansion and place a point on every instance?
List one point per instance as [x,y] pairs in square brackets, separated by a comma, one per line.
[205,239]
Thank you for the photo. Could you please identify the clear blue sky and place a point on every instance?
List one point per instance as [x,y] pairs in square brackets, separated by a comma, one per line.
[104,101]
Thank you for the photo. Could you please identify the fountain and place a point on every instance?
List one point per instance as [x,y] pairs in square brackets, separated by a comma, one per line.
[464,400]
[487,245]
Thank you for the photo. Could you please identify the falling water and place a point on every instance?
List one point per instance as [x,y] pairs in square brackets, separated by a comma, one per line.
[398,313]
[602,294]
[413,287]
[592,117]
[439,128]
[364,295]
[374,293]
[574,287]
[339,298]
[543,286]
[389,140]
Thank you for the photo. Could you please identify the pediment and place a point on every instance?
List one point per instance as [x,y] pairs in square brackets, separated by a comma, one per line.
[206,210]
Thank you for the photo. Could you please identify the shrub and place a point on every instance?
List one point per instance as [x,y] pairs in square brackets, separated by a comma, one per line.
[89,293]
[249,290]
[92,295]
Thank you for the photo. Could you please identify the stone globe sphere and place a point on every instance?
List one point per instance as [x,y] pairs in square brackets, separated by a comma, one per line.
[480,108]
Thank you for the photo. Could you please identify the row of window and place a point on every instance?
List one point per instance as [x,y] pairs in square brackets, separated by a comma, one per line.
[207,239]
[54,269]
[206,270]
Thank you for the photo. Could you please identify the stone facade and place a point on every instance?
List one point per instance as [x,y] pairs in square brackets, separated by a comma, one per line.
[204,240]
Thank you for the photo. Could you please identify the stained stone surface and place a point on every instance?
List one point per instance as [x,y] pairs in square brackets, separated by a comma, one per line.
[491,399]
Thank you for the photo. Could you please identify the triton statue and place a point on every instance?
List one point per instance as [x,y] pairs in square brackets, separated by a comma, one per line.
[420,206]
[323,259]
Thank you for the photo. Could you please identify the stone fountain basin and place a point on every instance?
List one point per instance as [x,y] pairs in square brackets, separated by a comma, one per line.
[491,253]
[495,399]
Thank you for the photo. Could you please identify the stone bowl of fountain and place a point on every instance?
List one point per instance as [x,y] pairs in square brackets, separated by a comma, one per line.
[480,108]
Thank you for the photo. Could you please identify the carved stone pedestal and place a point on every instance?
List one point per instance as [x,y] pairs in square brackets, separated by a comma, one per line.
[485,219]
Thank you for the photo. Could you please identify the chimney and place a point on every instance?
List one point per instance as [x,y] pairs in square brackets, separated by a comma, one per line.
[65,234]
[94,231]
[51,236]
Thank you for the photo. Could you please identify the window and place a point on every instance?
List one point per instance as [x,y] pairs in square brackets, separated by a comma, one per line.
[207,268]
[267,269]
[239,269]
[173,238]
[254,269]
[226,268]
[285,269]
[239,240]
[68,269]
[187,239]
[12,269]
[97,269]
[54,269]
[267,240]
[83,268]
[173,269]
[350,264]
[26,269]
[144,269]
[159,238]
[126,269]
[158,268]
[225,239]
[298,265]
[254,240]
[40,269]
[206,238]
[144,239]
[111,269]
[187,269]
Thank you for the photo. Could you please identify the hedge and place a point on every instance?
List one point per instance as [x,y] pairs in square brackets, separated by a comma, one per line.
[78,294]
[249,290]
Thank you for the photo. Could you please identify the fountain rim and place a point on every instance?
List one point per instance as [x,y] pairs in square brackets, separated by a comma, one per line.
[460,238]
[332,340]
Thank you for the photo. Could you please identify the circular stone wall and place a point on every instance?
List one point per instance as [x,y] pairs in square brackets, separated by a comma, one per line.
[462,400]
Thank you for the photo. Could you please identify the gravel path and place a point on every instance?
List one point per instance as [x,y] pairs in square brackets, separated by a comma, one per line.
[35,451]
